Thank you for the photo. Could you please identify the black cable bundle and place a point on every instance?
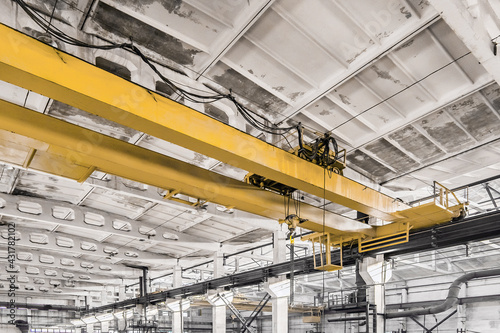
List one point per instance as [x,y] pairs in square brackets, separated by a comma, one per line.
[248,115]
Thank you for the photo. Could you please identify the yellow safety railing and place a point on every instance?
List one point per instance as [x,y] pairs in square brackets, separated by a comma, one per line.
[322,243]
[442,196]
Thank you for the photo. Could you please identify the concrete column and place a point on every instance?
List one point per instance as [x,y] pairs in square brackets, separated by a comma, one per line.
[105,327]
[218,264]
[28,313]
[90,328]
[218,306]
[78,330]
[375,272]
[177,277]
[104,297]
[237,264]
[461,318]
[89,301]
[279,246]
[279,292]
[121,293]
[177,307]
[219,312]
[141,310]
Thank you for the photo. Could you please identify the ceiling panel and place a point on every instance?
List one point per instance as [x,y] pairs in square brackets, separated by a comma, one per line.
[292,47]
[116,202]
[330,26]
[268,72]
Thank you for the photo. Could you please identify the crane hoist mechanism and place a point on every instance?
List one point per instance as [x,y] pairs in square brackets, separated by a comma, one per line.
[443,207]
[324,152]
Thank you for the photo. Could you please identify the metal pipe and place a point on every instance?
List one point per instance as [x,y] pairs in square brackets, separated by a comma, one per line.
[141,286]
[452,298]
[145,280]
[346,319]
[292,272]
[247,250]
[367,317]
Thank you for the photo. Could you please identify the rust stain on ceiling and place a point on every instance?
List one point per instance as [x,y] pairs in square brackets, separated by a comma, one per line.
[391,155]
[158,41]
[251,91]
[476,117]
[88,120]
[441,127]
[369,167]
[416,143]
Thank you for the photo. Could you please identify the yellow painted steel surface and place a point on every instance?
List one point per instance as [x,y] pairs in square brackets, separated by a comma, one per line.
[33,65]
[423,216]
[71,151]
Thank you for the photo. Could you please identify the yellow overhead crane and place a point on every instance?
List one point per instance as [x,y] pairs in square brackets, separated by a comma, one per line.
[34,140]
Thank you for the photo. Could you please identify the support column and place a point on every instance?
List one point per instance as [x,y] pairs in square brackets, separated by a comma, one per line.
[461,318]
[279,292]
[218,305]
[145,281]
[90,328]
[121,293]
[218,264]
[104,297]
[177,277]
[375,272]
[105,327]
[177,307]
[28,313]
[218,313]
[88,301]
[104,301]
[279,246]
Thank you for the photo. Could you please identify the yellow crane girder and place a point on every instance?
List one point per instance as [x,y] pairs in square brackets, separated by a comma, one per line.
[44,143]
[30,64]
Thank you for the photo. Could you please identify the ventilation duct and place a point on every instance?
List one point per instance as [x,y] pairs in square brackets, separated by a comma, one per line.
[452,298]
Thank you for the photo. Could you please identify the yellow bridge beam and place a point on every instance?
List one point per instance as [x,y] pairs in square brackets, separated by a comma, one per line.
[33,65]
[64,149]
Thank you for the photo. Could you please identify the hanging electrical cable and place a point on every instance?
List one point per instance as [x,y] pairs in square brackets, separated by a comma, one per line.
[254,119]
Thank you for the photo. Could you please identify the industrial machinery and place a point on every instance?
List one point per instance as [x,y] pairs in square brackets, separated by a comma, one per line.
[323,151]
[47,144]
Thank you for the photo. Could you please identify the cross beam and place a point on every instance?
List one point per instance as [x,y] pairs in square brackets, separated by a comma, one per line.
[125,227]
[68,150]
[33,65]
[86,246]
[58,260]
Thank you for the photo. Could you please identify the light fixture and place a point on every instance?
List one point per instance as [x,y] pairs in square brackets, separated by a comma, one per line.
[90,320]
[77,322]
[105,317]
[151,311]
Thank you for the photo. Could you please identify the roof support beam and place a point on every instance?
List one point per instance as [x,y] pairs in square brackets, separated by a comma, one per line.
[151,193]
[54,281]
[61,273]
[49,290]
[472,32]
[85,246]
[126,227]
[77,147]
[52,260]
[33,65]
